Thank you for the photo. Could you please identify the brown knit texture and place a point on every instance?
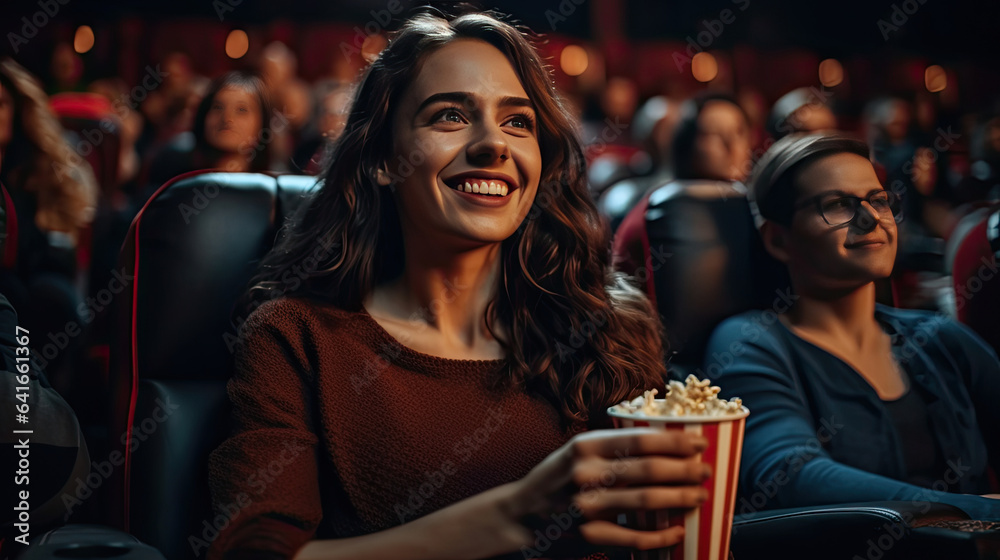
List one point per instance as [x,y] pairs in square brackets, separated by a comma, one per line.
[340,431]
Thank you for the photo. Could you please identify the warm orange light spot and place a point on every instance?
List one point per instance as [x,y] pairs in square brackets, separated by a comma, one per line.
[704,67]
[237,43]
[831,72]
[83,41]
[574,60]
[935,78]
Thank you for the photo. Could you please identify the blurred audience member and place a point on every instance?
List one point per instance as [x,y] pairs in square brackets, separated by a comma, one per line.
[66,69]
[228,132]
[164,106]
[291,97]
[611,151]
[800,110]
[323,129]
[54,195]
[755,107]
[712,140]
[653,126]
[912,171]
[131,124]
[983,182]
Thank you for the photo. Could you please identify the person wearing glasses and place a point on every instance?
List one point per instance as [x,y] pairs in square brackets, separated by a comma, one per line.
[851,400]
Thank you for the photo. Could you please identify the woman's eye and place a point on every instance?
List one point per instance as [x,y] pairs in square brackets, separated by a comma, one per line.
[451,116]
[522,121]
[838,204]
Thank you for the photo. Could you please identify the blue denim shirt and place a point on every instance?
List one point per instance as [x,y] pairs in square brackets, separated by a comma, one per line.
[818,433]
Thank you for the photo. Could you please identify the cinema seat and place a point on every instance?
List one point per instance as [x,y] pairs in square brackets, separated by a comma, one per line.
[190,253]
[975,278]
[693,248]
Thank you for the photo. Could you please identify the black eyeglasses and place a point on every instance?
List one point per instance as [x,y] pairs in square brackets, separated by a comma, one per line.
[838,209]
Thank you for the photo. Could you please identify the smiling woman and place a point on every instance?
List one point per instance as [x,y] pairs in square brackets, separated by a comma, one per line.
[459,335]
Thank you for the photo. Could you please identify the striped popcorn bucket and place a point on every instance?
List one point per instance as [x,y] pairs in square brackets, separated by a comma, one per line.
[706,528]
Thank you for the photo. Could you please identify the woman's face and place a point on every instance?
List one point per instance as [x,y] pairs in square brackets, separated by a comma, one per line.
[722,147]
[233,122]
[464,124]
[846,256]
[6,116]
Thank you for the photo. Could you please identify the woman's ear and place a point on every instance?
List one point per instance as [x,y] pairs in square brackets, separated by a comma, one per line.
[775,238]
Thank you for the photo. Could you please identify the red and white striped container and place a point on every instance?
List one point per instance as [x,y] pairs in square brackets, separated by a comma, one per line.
[707,528]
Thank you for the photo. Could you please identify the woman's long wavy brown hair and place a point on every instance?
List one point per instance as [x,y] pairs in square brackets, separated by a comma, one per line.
[38,159]
[576,332]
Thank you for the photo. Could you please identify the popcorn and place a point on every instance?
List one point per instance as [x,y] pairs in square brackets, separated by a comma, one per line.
[694,397]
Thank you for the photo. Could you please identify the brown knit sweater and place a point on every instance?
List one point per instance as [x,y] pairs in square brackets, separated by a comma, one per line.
[340,431]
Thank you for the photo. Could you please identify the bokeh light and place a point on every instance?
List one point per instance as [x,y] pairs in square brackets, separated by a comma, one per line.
[831,72]
[83,41]
[935,78]
[704,67]
[574,60]
[237,43]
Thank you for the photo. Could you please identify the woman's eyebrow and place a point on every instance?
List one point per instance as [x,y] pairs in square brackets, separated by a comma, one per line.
[462,97]
[468,99]
[511,101]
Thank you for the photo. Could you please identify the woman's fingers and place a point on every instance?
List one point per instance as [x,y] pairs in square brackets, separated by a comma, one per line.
[607,533]
[636,442]
[608,504]
[597,472]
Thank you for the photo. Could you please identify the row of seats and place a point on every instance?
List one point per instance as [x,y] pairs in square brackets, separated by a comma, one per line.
[193,247]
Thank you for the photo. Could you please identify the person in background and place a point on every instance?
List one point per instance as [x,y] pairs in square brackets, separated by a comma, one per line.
[852,401]
[292,99]
[448,270]
[324,128]
[66,70]
[228,133]
[653,126]
[800,110]
[612,153]
[54,195]
[711,142]
[982,185]
[909,171]
[712,139]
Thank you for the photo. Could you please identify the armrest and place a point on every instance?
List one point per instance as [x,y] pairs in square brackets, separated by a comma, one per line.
[872,530]
[88,541]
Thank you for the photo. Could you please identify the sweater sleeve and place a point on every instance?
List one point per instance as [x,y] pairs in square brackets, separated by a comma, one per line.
[264,478]
[784,462]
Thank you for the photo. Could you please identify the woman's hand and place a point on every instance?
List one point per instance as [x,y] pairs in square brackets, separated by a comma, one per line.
[583,486]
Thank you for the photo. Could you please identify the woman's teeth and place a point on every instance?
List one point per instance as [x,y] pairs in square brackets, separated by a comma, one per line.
[496,188]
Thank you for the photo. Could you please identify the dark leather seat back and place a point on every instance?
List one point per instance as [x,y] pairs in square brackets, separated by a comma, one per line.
[707,263]
[187,258]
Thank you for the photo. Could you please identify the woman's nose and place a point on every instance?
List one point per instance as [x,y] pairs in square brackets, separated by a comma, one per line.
[489,145]
[866,217]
